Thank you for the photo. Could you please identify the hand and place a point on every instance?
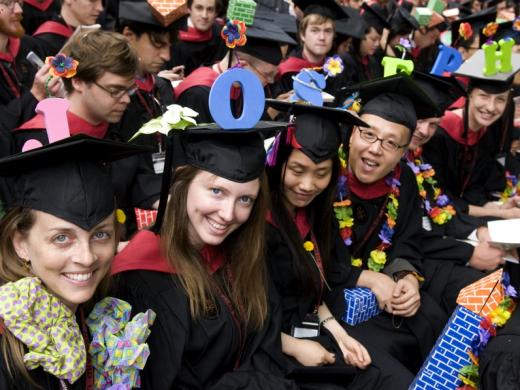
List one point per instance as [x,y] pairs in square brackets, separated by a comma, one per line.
[273,113]
[55,85]
[353,351]
[483,234]
[486,257]
[515,147]
[512,202]
[174,74]
[383,287]
[311,353]
[406,298]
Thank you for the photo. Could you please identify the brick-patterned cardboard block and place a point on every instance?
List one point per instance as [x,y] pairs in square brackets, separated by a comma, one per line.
[243,10]
[441,369]
[483,296]
[168,11]
[423,15]
[436,5]
[144,217]
[360,305]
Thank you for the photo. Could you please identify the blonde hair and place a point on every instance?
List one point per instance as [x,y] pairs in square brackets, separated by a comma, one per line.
[243,249]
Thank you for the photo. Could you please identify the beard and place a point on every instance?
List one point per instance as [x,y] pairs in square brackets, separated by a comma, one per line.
[12,27]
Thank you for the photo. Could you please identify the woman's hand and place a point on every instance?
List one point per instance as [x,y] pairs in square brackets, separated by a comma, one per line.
[382,286]
[406,298]
[353,351]
[307,352]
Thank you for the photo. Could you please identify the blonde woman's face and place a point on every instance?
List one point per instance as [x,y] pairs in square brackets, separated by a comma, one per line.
[70,261]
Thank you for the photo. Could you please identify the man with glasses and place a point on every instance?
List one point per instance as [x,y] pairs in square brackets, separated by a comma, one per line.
[385,233]
[261,55]
[99,94]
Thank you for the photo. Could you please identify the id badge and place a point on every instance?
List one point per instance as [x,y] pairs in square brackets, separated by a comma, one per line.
[158,162]
[310,327]
[426,223]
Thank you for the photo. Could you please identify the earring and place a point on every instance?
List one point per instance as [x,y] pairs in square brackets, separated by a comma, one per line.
[27,265]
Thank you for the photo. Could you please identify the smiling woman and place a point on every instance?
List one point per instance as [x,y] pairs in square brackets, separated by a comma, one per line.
[56,247]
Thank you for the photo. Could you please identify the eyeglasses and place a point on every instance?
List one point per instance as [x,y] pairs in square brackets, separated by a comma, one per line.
[388,145]
[118,93]
[267,76]
[10,4]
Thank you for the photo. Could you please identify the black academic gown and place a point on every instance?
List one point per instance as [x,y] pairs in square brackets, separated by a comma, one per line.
[445,256]
[194,49]
[409,340]
[52,35]
[35,12]
[499,366]
[356,70]
[469,181]
[201,354]
[296,304]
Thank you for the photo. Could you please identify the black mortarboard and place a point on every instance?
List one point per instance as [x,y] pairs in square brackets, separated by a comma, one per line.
[351,27]
[500,82]
[443,91]
[263,41]
[317,128]
[402,22]
[327,8]
[477,22]
[66,179]
[397,99]
[505,30]
[374,16]
[285,21]
[141,12]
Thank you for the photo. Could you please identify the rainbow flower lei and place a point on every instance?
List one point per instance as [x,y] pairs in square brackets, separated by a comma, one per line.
[487,329]
[443,211]
[512,187]
[343,212]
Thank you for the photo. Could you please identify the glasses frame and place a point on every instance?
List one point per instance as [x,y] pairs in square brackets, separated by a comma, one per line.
[117,95]
[381,140]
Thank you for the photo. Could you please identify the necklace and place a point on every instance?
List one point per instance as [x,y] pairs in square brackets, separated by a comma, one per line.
[442,211]
[343,212]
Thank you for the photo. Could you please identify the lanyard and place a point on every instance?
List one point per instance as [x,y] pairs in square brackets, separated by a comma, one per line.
[371,229]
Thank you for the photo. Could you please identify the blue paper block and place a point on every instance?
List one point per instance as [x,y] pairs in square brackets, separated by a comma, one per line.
[450,353]
[361,305]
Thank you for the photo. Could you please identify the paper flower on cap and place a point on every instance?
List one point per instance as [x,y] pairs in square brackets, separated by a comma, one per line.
[465,31]
[490,29]
[516,24]
[62,66]
[234,33]
[333,66]
[405,45]
[175,118]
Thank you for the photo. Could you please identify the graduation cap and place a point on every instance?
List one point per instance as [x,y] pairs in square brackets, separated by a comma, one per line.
[142,12]
[443,91]
[327,8]
[477,22]
[397,98]
[374,16]
[402,22]
[285,21]
[505,30]
[317,128]
[351,27]
[263,41]
[66,179]
[499,82]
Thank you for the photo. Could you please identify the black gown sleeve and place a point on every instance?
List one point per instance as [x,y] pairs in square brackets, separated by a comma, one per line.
[197,98]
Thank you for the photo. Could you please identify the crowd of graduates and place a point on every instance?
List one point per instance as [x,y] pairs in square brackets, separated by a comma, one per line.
[371,161]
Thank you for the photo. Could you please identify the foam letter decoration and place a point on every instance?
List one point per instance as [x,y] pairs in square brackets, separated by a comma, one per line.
[393,65]
[307,86]
[503,56]
[54,111]
[448,60]
[253,99]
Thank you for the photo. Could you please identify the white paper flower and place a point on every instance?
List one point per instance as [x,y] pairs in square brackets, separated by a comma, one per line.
[175,118]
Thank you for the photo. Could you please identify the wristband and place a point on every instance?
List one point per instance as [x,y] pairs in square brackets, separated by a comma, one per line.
[326,319]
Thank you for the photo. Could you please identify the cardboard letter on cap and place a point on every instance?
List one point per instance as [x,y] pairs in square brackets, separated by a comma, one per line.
[394,65]
[168,11]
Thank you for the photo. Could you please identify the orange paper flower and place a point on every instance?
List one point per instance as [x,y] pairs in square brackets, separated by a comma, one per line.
[465,31]
[490,29]
[62,66]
